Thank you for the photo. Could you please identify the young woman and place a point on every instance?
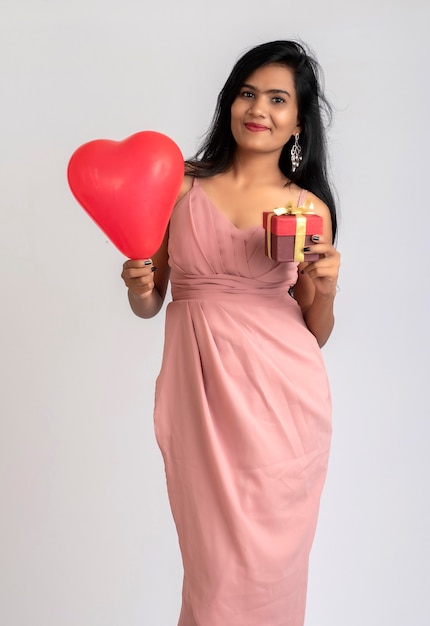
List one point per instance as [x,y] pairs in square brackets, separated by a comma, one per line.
[242,405]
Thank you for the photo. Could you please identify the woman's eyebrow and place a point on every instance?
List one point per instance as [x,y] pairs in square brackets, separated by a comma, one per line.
[248,86]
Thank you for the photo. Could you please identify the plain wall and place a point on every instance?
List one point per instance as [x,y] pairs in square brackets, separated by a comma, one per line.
[86,535]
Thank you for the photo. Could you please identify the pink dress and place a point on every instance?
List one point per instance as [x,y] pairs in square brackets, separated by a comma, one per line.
[243,420]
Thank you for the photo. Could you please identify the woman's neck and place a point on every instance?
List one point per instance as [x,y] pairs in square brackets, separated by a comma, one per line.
[251,169]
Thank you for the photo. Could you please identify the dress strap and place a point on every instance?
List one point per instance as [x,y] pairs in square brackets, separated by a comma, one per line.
[302,196]
[195,182]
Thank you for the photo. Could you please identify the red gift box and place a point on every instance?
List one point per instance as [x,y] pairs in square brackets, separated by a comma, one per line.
[288,230]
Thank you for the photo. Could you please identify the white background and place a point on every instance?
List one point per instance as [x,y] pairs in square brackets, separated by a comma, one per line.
[86,534]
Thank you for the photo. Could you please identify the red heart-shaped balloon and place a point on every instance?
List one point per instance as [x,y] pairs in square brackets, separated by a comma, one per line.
[129,188]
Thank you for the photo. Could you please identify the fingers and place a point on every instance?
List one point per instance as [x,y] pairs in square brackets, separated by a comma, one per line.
[327,267]
[321,246]
[139,263]
[324,268]
[138,276]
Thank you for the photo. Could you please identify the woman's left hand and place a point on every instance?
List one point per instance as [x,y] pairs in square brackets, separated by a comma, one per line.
[324,272]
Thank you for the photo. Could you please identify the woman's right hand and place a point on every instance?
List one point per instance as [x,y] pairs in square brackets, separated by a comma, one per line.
[139,277]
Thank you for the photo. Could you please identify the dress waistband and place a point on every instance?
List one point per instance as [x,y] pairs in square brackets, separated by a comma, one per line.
[224,286]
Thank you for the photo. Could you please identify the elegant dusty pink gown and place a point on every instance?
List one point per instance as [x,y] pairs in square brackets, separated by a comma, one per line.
[242,417]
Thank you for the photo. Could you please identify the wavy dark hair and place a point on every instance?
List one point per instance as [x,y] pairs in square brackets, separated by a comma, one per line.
[217,151]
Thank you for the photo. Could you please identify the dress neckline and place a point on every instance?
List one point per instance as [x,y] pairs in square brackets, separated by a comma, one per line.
[216,210]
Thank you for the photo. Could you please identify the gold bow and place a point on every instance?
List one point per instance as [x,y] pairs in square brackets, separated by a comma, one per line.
[300,212]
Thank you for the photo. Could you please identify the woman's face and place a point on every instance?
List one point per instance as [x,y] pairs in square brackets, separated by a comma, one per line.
[264,114]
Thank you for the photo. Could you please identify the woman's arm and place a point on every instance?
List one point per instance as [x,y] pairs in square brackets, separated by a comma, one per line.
[316,286]
[147,279]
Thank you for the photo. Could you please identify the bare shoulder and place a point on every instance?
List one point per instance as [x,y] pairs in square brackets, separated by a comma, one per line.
[187,183]
[319,206]
[298,195]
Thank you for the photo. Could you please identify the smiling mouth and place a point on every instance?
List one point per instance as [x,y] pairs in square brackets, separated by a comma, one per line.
[255,128]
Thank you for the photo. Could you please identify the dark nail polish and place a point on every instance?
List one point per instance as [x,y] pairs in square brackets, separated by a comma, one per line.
[153,268]
[315,238]
[148,262]
[307,249]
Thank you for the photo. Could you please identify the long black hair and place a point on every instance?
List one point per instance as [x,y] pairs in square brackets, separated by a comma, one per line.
[217,152]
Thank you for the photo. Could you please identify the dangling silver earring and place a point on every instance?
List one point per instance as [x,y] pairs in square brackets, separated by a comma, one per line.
[296,153]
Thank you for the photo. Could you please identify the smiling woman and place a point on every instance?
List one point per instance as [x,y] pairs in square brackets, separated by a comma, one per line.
[242,404]
[264,114]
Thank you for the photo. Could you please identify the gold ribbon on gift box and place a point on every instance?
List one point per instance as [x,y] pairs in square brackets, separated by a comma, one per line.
[300,213]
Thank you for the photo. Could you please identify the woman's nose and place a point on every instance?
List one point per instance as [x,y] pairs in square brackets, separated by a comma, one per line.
[256,107]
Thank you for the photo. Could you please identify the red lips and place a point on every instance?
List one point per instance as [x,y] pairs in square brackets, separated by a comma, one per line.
[255,128]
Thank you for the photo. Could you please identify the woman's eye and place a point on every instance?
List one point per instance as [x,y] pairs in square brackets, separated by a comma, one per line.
[278,100]
[247,94]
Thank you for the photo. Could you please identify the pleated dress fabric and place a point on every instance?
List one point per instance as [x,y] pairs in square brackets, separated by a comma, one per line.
[243,420]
